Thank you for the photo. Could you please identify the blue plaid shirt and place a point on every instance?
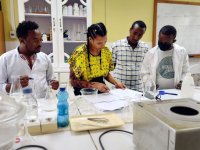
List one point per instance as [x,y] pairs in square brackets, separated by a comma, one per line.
[128,63]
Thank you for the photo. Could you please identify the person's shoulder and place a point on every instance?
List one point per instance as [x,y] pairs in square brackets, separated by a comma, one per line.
[152,50]
[179,48]
[9,53]
[143,44]
[78,53]
[79,50]
[106,49]
[42,55]
[120,42]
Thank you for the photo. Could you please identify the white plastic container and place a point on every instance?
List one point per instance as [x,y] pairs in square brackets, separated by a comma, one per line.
[76,9]
[187,88]
[81,10]
[69,10]
[44,37]
[65,10]
[11,113]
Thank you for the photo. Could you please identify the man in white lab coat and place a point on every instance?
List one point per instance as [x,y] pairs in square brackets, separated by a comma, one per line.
[27,62]
[167,63]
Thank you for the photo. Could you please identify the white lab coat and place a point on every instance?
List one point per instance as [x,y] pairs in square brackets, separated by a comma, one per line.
[180,64]
[11,64]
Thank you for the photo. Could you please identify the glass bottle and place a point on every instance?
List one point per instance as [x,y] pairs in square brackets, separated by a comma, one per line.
[16,89]
[31,103]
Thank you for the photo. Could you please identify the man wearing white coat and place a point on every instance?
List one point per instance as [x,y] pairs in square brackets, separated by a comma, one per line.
[27,61]
[167,63]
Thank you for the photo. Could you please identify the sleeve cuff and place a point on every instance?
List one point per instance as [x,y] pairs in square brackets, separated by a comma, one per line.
[3,88]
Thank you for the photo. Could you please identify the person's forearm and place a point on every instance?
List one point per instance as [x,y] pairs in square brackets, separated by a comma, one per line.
[75,82]
[111,79]
[80,83]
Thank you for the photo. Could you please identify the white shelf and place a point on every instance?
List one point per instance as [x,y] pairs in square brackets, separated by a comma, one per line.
[53,20]
[49,15]
[50,42]
[74,41]
[74,17]
[37,15]
[47,42]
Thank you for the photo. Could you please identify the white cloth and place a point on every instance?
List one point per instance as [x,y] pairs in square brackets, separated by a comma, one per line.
[180,64]
[11,64]
[165,70]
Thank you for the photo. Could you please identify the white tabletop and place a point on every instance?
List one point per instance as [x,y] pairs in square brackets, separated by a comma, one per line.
[89,140]
[114,140]
[66,140]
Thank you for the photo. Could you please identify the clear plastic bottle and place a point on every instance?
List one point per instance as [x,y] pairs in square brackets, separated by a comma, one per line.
[62,106]
[149,88]
[31,103]
[187,88]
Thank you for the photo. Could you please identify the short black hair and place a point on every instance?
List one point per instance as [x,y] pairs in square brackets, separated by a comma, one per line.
[96,29]
[24,27]
[140,23]
[168,30]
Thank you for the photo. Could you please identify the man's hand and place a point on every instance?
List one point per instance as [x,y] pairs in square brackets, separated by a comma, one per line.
[54,84]
[178,86]
[24,80]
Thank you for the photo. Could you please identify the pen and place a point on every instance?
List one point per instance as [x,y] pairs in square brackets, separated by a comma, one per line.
[30,78]
[171,93]
[163,93]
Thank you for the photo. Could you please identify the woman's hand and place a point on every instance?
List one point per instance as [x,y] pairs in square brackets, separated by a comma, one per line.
[120,85]
[101,87]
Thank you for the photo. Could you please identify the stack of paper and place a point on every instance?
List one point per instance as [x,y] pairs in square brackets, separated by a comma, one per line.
[115,99]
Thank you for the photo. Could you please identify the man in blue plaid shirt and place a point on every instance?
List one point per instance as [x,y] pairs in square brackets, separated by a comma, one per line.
[128,54]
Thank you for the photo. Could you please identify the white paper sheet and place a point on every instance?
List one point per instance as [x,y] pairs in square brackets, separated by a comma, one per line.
[115,99]
[109,106]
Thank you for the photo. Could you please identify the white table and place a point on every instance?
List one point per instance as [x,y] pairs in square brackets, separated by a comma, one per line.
[66,140]
[114,140]
[89,140]
[120,140]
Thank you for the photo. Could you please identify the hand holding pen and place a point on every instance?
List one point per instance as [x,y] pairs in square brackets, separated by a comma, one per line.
[54,84]
[24,80]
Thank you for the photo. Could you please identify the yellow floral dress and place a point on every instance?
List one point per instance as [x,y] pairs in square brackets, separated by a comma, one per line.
[99,66]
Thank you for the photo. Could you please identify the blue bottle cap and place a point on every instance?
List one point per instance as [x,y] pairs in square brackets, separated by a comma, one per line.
[27,90]
[62,89]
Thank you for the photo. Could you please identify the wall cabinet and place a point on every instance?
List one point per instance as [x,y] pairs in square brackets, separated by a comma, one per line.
[63,24]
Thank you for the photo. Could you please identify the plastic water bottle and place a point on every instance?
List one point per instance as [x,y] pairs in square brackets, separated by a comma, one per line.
[62,106]
[149,88]
[187,88]
[31,103]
